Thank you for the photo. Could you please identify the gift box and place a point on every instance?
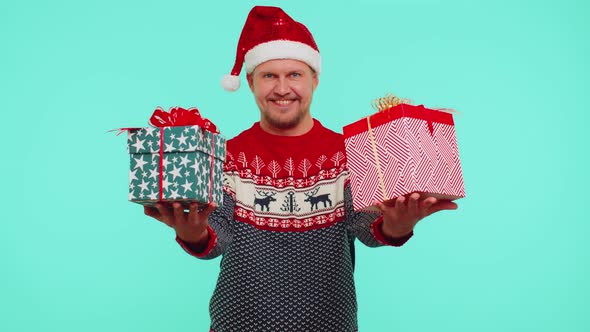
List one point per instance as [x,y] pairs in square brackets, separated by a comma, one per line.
[400,150]
[179,158]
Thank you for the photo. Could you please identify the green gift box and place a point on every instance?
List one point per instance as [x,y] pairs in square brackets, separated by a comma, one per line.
[175,163]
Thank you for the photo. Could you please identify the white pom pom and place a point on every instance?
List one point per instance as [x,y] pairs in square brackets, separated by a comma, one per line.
[230,83]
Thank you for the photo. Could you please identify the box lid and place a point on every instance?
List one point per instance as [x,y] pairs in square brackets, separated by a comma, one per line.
[396,112]
[175,139]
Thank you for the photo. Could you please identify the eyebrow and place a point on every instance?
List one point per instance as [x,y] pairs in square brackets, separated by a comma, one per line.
[298,71]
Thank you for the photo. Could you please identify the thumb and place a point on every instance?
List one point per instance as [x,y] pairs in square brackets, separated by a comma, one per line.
[442,205]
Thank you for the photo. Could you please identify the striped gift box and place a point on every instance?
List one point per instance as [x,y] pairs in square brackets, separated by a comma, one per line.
[401,150]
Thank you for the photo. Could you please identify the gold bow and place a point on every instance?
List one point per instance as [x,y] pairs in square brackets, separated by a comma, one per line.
[387,102]
[380,105]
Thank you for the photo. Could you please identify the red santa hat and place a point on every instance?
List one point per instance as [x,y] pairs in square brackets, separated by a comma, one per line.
[268,34]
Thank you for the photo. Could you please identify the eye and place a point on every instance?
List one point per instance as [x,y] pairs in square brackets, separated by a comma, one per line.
[295,74]
[267,75]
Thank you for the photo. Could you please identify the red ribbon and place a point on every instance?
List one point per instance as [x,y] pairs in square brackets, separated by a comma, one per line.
[161,166]
[178,116]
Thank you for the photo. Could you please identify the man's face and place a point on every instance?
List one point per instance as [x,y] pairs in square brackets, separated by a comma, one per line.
[283,90]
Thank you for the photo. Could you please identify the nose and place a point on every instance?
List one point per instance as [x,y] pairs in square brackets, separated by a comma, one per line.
[282,86]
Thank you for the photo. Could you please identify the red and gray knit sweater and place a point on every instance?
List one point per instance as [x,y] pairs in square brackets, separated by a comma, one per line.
[286,232]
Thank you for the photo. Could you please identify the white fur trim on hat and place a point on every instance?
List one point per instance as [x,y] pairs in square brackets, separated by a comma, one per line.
[282,49]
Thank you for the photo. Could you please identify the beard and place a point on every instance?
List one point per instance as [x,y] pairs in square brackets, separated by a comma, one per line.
[284,122]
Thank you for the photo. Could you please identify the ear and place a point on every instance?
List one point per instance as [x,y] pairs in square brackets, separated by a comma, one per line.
[250,81]
[316,81]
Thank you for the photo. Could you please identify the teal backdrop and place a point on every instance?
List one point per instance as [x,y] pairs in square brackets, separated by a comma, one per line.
[77,256]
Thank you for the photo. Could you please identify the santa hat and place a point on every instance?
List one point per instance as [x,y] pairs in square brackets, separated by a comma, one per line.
[268,34]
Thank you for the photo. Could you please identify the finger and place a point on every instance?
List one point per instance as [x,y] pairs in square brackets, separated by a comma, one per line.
[179,215]
[165,214]
[193,212]
[428,202]
[389,202]
[413,202]
[400,203]
[209,209]
[380,206]
[443,205]
[152,212]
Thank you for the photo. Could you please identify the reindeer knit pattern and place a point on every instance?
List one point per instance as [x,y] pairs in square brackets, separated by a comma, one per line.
[286,232]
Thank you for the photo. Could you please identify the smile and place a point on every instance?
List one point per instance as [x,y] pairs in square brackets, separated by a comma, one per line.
[283,102]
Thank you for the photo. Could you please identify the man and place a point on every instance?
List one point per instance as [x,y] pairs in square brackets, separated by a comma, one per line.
[287,227]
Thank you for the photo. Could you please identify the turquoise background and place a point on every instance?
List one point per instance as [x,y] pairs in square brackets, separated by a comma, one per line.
[76,256]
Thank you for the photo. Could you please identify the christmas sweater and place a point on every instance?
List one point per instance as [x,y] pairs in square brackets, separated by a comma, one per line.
[286,234]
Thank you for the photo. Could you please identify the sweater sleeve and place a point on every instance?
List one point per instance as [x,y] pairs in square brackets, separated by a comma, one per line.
[220,231]
[366,226]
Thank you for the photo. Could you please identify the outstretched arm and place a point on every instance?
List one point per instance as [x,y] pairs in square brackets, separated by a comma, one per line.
[402,214]
[191,227]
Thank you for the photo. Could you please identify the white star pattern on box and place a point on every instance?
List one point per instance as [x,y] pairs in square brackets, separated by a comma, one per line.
[153,195]
[149,131]
[199,181]
[132,175]
[165,162]
[185,165]
[165,183]
[175,172]
[195,167]
[139,162]
[184,161]
[144,185]
[187,186]
[218,144]
[182,140]
[154,173]
[139,144]
[174,194]
[169,147]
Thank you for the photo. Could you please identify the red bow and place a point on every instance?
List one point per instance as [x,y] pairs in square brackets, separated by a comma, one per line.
[178,116]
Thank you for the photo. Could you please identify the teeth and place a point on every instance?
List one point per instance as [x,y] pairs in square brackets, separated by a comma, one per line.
[283,102]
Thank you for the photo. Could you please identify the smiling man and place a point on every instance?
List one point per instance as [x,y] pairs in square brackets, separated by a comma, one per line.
[287,228]
[283,89]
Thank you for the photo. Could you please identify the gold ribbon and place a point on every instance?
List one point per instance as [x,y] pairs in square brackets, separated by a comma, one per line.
[387,102]
[379,172]
[380,105]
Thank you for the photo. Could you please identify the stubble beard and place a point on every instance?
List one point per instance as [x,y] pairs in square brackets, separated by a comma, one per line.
[283,123]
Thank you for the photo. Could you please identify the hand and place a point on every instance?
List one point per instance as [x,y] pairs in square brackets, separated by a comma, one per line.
[402,214]
[190,227]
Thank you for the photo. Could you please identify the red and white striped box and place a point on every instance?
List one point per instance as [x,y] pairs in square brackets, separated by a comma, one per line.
[401,150]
